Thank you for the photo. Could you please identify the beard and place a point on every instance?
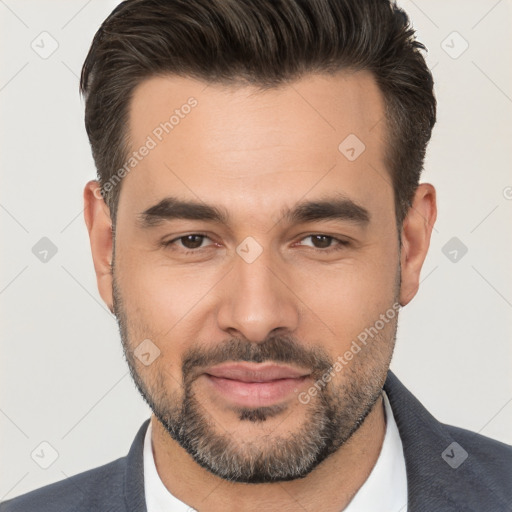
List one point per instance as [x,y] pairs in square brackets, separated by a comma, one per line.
[330,418]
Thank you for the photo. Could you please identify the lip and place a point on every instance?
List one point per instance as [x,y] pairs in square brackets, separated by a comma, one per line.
[255,384]
[255,372]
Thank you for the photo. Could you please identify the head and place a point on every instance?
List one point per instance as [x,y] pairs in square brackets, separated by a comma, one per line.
[258,203]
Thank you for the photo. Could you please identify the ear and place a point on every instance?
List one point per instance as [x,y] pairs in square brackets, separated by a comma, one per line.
[416,232]
[99,225]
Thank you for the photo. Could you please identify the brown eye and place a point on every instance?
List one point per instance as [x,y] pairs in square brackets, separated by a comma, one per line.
[324,243]
[192,241]
[321,241]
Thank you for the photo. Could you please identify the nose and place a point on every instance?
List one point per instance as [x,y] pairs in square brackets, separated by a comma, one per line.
[257,300]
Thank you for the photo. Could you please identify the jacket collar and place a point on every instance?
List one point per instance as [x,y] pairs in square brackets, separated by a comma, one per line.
[134,493]
[433,484]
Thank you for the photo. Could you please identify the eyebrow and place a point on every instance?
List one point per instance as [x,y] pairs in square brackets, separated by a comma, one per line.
[336,208]
[171,208]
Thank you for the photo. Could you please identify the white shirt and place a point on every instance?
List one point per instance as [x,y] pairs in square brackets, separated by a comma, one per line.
[385,490]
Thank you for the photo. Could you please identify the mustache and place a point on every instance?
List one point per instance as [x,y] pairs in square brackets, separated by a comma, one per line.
[275,348]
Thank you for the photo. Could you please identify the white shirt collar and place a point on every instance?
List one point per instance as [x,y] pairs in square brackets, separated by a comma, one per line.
[385,488]
[158,498]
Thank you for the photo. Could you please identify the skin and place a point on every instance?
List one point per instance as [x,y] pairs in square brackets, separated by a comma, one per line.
[282,150]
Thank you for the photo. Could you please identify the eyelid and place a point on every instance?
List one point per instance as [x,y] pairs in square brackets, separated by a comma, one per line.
[341,243]
[174,241]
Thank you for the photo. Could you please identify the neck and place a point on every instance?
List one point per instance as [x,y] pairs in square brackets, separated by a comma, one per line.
[329,487]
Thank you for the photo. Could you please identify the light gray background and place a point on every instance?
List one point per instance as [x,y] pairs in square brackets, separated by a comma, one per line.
[62,375]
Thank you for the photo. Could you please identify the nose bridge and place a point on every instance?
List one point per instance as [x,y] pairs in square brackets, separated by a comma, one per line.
[257,301]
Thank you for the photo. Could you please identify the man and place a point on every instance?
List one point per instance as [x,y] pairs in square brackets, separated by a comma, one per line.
[257,224]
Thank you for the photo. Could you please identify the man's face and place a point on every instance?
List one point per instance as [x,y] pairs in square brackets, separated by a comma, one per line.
[271,251]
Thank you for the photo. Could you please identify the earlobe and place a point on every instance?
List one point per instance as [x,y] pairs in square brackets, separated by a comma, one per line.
[99,226]
[416,233]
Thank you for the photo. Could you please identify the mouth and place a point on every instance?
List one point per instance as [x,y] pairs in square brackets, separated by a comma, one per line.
[255,384]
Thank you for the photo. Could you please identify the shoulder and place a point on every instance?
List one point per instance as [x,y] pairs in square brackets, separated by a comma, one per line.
[105,488]
[449,468]
[492,457]
[90,490]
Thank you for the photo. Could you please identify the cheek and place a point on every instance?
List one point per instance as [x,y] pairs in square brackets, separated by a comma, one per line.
[163,301]
[343,300]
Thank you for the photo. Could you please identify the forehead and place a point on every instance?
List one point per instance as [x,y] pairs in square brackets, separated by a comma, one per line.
[244,146]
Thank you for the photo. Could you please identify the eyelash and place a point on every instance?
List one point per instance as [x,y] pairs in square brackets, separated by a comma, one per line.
[340,245]
[171,243]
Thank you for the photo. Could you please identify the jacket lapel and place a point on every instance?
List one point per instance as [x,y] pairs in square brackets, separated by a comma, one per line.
[134,495]
[434,483]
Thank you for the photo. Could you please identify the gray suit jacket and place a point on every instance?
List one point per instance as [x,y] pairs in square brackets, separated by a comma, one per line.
[474,474]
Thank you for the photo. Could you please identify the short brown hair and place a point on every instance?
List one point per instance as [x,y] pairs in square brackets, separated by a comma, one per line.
[264,43]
